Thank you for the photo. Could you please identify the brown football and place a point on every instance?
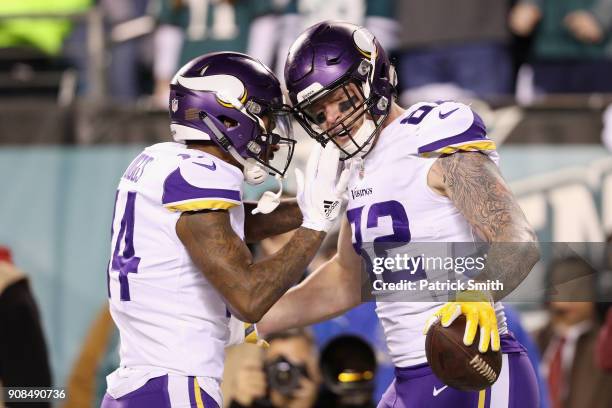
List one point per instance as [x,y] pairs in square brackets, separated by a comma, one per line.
[456,364]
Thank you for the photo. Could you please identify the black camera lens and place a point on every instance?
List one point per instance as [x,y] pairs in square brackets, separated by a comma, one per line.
[283,376]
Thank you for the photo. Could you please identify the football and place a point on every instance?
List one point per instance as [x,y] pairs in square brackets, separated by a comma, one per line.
[456,364]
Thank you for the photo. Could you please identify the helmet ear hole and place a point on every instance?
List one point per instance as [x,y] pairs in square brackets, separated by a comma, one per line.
[227,121]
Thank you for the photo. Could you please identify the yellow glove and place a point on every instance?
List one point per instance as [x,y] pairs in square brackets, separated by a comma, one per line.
[478,309]
[251,336]
[240,332]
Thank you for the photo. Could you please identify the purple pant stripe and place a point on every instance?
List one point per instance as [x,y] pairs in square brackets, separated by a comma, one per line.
[192,400]
[208,401]
[154,394]
[488,398]
[523,381]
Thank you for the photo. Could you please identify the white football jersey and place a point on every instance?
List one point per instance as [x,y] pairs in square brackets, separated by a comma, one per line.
[389,200]
[170,318]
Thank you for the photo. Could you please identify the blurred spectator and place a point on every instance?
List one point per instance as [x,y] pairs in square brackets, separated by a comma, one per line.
[568,342]
[460,43]
[603,354]
[31,60]
[572,47]
[348,367]
[363,322]
[376,15]
[23,352]
[360,321]
[46,35]
[188,29]
[604,344]
[97,358]
[126,56]
[514,325]
[606,133]
[287,377]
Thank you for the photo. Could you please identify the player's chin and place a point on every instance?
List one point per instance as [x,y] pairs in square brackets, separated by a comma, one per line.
[343,139]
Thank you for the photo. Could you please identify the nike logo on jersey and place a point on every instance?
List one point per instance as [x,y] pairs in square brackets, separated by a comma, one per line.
[212,167]
[437,391]
[447,114]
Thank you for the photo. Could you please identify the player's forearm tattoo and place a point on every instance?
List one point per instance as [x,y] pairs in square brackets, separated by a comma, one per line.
[286,217]
[476,187]
[252,288]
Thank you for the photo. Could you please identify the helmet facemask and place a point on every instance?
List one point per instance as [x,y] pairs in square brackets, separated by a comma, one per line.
[355,130]
[270,148]
[273,148]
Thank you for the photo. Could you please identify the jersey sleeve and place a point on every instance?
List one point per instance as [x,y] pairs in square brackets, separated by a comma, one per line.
[202,185]
[450,127]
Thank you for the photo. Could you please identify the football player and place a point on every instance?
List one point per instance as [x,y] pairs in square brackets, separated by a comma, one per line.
[423,174]
[180,271]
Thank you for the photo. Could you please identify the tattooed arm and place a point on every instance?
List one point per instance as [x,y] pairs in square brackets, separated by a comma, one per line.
[329,291]
[474,184]
[249,288]
[286,217]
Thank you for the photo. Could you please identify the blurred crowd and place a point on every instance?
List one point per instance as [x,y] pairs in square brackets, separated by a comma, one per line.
[481,48]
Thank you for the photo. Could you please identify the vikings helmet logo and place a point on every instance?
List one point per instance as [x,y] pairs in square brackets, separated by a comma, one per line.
[228,88]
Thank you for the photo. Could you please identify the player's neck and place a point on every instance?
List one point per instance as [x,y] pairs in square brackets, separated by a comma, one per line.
[215,151]
[395,112]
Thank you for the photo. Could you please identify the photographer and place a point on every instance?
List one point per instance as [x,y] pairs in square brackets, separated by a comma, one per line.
[288,376]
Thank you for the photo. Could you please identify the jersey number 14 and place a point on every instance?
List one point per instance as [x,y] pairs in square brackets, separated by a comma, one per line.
[125,261]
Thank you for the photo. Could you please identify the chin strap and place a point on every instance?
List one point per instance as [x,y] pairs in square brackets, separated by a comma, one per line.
[363,133]
[254,172]
[269,200]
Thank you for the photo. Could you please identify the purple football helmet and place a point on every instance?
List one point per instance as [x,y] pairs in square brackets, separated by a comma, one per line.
[235,101]
[328,57]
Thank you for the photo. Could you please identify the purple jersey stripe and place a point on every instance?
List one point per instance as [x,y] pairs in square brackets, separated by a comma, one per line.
[477,131]
[177,189]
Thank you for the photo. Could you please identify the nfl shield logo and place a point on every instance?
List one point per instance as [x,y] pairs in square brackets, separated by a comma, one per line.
[174,105]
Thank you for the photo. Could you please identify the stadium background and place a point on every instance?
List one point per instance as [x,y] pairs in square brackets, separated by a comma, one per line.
[82,91]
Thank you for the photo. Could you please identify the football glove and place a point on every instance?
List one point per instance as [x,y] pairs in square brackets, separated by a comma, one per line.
[241,332]
[479,312]
[321,188]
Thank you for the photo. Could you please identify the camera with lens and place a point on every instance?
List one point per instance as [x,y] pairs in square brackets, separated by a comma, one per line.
[348,365]
[284,376]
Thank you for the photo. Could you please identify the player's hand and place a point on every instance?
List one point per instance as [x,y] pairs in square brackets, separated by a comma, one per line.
[478,310]
[241,332]
[523,18]
[250,383]
[252,336]
[320,189]
[584,26]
